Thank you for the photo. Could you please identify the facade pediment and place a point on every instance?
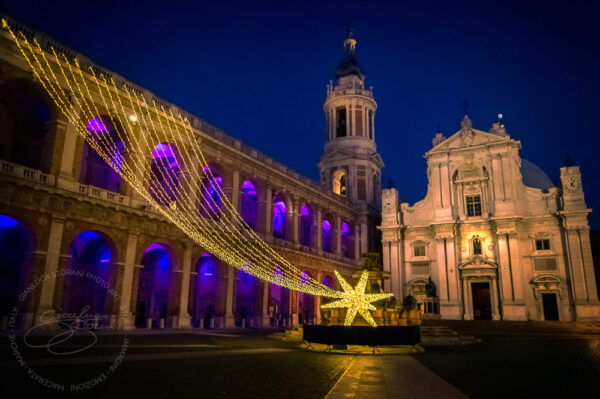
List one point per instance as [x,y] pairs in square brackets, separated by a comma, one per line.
[467,137]
[477,262]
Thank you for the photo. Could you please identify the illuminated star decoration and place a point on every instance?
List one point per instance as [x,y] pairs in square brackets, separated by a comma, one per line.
[356,300]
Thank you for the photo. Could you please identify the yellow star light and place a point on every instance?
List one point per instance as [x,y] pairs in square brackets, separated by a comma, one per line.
[356,300]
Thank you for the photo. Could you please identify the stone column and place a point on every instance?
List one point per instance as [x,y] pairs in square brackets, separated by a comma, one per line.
[317,299]
[294,304]
[59,285]
[364,237]
[125,314]
[319,228]
[142,164]
[269,212]
[184,320]
[356,241]
[67,157]
[495,305]
[229,321]
[265,320]
[517,275]
[588,263]
[468,309]
[235,189]
[394,265]
[338,236]
[295,220]
[49,285]
[505,267]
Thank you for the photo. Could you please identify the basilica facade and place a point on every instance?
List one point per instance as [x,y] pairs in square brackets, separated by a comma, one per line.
[63,210]
[493,238]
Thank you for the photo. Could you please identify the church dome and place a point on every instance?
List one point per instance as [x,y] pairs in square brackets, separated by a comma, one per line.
[534,177]
[349,64]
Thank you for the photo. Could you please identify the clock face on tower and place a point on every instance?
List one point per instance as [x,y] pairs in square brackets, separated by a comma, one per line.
[572,184]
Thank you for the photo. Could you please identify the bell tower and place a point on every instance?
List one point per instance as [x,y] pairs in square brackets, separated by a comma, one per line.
[350,165]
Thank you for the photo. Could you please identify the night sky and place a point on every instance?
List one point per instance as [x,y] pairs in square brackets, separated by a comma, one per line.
[259,71]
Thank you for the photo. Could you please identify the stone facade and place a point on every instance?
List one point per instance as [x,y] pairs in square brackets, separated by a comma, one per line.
[493,234]
[55,190]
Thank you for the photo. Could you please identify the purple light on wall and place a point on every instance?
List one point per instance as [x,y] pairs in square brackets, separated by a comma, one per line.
[326,281]
[163,150]
[304,277]
[345,229]
[88,235]
[212,195]
[326,226]
[208,265]
[248,188]
[152,247]
[164,262]
[7,222]
[304,210]
[278,216]
[105,257]
[208,269]
[97,125]
[278,274]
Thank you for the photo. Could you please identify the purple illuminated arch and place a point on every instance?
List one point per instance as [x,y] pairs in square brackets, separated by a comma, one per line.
[249,205]
[96,170]
[207,266]
[279,214]
[90,254]
[97,125]
[7,222]
[346,240]
[304,210]
[164,151]
[14,245]
[165,174]
[326,226]
[154,285]
[211,196]
[306,222]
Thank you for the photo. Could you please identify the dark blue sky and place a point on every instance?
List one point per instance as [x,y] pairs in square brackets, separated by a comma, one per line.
[259,71]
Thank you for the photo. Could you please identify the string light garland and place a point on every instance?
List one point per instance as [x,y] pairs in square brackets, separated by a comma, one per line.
[180,190]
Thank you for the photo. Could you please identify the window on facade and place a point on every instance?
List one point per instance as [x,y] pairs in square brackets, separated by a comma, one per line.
[419,250]
[476,246]
[340,183]
[541,245]
[544,264]
[473,205]
[359,120]
[340,122]
[420,268]
[370,126]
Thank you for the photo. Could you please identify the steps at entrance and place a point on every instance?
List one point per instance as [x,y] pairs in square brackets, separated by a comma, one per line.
[294,334]
[444,335]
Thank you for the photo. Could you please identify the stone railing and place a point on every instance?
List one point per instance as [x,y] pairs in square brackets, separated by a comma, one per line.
[22,172]
[100,193]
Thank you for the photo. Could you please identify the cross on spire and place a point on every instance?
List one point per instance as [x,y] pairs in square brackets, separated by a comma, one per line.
[466,106]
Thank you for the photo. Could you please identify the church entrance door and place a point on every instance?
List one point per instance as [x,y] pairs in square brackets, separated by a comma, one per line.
[482,303]
[550,306]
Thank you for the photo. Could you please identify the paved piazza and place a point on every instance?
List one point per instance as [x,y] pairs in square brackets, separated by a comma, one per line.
[518,361]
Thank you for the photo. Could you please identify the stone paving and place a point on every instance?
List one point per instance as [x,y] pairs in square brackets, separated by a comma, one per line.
[380,377]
